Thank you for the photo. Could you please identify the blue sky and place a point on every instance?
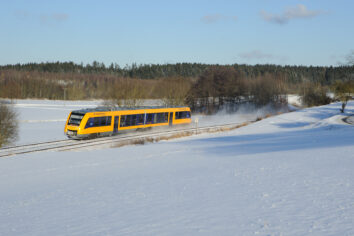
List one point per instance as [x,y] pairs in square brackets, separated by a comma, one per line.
[293,32]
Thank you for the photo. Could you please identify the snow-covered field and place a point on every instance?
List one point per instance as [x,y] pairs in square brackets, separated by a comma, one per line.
[44,120]
[290,174]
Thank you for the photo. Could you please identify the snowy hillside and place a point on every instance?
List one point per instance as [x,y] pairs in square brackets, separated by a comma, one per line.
[290,174]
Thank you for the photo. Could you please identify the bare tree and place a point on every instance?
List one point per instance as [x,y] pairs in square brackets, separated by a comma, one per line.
[343,92]
[350,58]
[8,124]
[314,95]
[173,91]
[128,92]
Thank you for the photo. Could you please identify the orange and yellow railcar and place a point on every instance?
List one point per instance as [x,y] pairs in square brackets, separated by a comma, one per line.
[96,122]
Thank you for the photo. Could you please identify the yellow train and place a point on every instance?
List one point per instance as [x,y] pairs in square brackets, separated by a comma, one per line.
[89,123]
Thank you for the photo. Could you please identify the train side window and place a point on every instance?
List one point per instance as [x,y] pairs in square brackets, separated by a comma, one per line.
[89,123]
[133,120]
[140,119]
[183,115]
[105,120]
[149,118]
[123,121]
[102,121]
[160,117]
[128,120]
[96,121]
[154,118]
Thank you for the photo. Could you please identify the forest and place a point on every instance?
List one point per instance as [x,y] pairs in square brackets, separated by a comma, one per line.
[323,75]
[201,86]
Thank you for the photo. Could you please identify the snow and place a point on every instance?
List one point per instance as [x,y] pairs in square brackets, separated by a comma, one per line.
[294,99]
[36,117]
[285,175]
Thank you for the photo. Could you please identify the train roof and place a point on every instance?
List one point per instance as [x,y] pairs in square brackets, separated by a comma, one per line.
[105,109]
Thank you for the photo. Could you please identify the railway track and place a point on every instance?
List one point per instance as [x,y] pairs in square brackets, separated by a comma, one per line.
[33,147]
[111,141]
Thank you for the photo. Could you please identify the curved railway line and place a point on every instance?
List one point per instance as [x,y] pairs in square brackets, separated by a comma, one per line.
[114,141]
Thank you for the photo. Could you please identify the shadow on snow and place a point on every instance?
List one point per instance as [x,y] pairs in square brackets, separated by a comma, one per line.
[321,137]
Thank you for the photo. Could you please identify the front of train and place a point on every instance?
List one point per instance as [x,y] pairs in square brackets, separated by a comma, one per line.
[73,124]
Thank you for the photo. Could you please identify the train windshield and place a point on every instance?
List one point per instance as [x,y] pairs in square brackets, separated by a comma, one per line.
[75,119]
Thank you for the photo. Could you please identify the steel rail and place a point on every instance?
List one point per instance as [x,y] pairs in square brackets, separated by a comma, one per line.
[32,144]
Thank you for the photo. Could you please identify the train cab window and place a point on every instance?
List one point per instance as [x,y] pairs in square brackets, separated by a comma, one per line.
[75,119]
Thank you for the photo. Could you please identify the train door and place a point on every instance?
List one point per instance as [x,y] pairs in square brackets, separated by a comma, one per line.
[115,126]
[171,118]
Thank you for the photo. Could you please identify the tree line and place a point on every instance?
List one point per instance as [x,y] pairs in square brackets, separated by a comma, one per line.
[295,74]
[75,86]
[206,88]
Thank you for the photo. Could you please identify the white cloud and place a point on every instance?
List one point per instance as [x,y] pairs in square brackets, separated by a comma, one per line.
[298,12]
